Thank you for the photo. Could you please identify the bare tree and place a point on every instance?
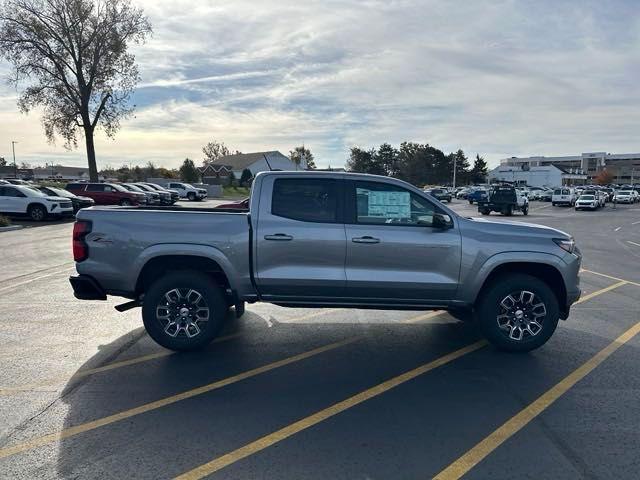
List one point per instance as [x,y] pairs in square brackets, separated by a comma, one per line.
[74,56]
[213,151]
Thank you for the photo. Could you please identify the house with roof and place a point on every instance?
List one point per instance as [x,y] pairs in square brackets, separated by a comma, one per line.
[255,162]
[60,172]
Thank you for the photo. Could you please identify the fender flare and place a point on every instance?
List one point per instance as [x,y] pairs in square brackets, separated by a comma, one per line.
[191,250]
[471,290]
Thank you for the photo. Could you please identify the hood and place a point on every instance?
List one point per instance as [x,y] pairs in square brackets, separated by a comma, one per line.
[84,199]
[58,199]
[517,227]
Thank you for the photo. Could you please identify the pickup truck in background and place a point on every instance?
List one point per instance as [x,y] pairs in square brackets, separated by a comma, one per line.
[188,191]
[326,239]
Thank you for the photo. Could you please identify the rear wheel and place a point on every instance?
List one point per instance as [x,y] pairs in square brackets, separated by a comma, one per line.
[37,213]
[518,313]
[184,310]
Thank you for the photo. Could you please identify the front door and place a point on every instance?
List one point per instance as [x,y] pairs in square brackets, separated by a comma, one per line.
[394,253]
[300,239]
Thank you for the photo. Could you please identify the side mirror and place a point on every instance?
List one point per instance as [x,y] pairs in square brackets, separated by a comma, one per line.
[442,221]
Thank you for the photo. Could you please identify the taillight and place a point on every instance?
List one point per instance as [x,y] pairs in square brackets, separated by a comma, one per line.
[81,228]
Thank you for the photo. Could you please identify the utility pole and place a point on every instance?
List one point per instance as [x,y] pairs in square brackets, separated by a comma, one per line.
[455,162]
[15,167]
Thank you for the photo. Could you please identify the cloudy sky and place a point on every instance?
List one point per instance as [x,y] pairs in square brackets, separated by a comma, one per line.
[499,78]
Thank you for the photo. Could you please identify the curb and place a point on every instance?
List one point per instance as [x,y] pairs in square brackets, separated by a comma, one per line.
[10,228]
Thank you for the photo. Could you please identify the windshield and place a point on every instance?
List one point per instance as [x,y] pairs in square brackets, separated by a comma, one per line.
[587,197]
[35,190]
[61,193]
[120,188]
[133,188]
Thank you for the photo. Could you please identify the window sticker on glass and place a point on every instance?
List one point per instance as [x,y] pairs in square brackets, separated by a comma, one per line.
[389,204]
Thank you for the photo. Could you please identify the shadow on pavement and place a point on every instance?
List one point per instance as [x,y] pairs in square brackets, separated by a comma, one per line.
[163,442]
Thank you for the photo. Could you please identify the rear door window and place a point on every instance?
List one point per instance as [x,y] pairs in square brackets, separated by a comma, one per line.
[95,187]
[307,200]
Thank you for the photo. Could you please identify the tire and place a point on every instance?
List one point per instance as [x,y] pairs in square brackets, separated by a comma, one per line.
[553,204]
[125,202]
[525,210]
[191,196]
[502,326]
[470,202]
[239,307]
[485,211]
[37,213]
[161,303]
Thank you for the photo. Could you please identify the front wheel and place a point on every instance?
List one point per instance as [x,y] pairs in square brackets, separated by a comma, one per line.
[37,213]
[184,310]
[525,210]
[191,196]
[518,313]
[125,202]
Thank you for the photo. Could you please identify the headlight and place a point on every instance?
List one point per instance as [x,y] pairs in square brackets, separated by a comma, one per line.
[568,245]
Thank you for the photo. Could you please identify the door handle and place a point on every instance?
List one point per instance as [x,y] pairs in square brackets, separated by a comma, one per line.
[282,237]
[365,239]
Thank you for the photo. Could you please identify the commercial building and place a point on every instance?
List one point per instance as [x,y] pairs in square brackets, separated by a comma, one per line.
[547,176]
[625,167]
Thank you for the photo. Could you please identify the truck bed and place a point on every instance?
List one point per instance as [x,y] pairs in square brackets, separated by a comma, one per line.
[124,239]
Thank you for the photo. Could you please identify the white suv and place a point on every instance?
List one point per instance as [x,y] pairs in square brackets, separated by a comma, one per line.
[21,200]
[186,190]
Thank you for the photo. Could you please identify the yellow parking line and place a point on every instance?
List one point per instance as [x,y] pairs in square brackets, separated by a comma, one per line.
[148,407]
[478,453]
[601,291]
[322,415]
[611,277]
[104,368]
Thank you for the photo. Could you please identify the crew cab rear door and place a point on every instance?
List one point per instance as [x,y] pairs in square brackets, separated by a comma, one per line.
[300,239]
[394,253]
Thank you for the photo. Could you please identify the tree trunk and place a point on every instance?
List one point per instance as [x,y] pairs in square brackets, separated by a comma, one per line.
[91,154]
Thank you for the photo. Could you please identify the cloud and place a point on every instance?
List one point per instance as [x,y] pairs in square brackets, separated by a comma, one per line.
[499,78]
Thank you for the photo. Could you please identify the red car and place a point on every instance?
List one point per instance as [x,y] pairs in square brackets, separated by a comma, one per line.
[241,205]
[106,193]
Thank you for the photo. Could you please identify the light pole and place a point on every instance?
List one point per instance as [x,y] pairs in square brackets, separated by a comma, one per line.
[455,162]
[15,167]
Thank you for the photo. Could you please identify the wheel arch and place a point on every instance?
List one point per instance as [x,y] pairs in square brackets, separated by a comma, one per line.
[546,271]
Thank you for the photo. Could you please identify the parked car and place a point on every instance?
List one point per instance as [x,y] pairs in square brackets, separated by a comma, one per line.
[20,200]
[546,195]
[241,205]
[599,196]
[151,198]
[563,196]
[326,240]
[462,193]
[170,199]
[186,190]
[440,194]
[624,196]
[76,201]
[107,193]
[17,181]
[477,195]
[587,202]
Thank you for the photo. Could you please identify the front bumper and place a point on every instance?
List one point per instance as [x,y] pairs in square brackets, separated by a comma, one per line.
[87,288]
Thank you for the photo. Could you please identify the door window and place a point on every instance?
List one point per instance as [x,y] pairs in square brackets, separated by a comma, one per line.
[11,192]
[384,204]
[307,200]
[95,187]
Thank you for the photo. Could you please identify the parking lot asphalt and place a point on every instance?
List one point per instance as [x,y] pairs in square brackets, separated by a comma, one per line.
[306,393]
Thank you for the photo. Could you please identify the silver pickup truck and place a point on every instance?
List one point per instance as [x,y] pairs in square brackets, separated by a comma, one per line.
[321,239]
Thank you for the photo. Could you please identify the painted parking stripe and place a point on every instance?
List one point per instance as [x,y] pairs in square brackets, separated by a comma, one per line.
[19,284]
[483,449]
[633,243]
[322,415]
[611,277]
[601,291]
[104,368]
[148,407]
